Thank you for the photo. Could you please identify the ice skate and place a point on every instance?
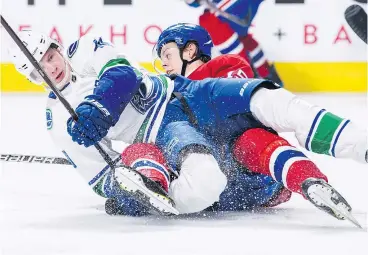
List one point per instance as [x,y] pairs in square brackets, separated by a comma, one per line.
[148,192]
[325,197]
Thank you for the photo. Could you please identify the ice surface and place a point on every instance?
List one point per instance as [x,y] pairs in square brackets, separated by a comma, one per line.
[50,210]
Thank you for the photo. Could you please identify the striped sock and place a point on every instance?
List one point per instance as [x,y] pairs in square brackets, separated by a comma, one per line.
[225,39]
[291,167]
[266,153]
[256,55]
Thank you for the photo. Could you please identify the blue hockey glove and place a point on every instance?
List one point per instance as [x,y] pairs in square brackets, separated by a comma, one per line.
[94,121]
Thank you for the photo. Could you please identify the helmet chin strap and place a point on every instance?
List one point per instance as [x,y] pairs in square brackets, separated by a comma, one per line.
[186,62]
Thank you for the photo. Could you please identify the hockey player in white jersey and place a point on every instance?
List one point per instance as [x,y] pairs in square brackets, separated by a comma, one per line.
[85,74]
[76,72]
[115,101]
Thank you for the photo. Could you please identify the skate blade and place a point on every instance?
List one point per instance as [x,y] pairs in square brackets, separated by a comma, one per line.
[347,215]
[325,196]
[133,184]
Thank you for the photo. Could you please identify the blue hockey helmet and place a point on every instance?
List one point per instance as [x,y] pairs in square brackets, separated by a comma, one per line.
[182,33]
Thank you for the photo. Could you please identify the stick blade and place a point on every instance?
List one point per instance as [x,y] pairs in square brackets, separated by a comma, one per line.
[356,17]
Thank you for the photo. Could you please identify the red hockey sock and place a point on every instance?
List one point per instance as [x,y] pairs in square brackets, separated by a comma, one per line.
[225,39]
[256,55]
[149,161]
[263,70]
[266,153]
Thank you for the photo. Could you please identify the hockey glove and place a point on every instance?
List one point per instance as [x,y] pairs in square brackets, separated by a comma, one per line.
[94,121]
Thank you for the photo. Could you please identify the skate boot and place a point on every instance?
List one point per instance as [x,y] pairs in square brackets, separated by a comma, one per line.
[326,198]
[147,192]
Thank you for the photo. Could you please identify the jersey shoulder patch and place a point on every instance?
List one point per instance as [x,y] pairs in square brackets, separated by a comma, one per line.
[99,43]
[85,46]
[81,52]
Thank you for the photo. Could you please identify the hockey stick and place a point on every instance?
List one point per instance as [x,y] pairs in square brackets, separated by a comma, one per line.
[356,17]
[212,7]
[136,189]
[34,159]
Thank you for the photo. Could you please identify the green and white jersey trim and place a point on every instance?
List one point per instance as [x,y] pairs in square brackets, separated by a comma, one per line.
[150,100]
[163,88]
[117,62]
[325,132]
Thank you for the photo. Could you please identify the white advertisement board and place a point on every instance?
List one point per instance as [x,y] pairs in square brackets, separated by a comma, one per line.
[302,37]
[312,31]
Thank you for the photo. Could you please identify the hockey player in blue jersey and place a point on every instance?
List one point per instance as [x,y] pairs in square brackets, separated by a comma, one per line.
[192,128]
[184,49]
[216,112]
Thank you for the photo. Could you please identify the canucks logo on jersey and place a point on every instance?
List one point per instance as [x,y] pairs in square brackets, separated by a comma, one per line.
[149,92]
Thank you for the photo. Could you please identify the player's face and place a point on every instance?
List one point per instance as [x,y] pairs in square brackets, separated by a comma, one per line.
[54,65]
[170,58]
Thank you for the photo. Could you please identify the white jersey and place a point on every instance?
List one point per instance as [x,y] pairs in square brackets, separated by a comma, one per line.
[139,122]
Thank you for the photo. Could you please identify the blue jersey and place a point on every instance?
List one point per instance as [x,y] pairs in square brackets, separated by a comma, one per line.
[221,108]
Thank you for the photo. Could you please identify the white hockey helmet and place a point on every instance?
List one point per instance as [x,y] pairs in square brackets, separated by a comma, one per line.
[37,44]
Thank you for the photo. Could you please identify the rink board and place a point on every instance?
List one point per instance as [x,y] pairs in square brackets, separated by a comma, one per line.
[297,77]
